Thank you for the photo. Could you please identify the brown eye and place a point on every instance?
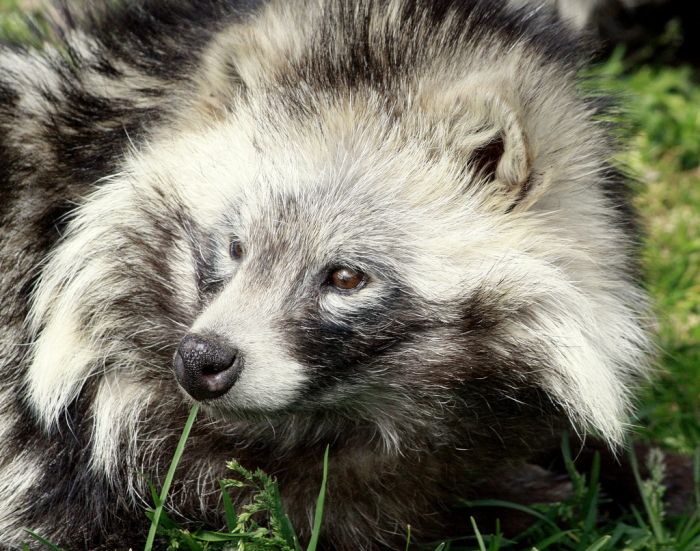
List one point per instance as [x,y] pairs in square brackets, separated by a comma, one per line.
[346,279]
[236,250]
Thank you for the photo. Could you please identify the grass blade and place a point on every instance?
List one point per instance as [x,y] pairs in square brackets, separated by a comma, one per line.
[319,506]
[42,540]
[482,547]
[591,497]
[170,475]
[696,478]
[154,494]
[509,505]
[163,521]
[598,544]
[216,537]
[193,545]
[231,518]
[408,536]
[541,545]
[494,539]
[653,516]
[286,527]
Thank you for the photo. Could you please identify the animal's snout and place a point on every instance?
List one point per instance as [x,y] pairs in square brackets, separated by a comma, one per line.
[206,367]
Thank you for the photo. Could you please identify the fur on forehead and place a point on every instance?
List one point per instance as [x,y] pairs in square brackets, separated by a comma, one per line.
[369,44]
[374,86]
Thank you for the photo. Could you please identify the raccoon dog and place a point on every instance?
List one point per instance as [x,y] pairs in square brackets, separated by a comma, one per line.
[387,226]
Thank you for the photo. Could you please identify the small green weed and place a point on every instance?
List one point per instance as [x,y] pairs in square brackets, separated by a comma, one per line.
[244,531]
[579,525]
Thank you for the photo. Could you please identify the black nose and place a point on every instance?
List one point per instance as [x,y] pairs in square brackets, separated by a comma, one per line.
[206,367]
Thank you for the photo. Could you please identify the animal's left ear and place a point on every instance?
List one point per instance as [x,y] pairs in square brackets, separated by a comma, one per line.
[491,139]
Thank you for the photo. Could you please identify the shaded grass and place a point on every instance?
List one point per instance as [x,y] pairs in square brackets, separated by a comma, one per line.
[579,524]
[664,112]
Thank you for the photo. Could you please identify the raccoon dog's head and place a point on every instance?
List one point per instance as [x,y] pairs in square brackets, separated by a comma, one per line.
[384,212]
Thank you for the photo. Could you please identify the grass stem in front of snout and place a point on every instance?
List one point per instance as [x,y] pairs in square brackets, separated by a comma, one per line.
[319,506]
[169,477]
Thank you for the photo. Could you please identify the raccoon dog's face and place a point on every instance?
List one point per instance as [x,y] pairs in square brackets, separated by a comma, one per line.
[363,261]
[327,277]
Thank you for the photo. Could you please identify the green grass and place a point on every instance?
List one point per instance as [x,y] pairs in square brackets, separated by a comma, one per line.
[663,110]
[15,26]
[662,107]
[244,530]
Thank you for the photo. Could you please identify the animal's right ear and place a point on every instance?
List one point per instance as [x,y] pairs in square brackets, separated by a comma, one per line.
[489,137]
[219,81]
